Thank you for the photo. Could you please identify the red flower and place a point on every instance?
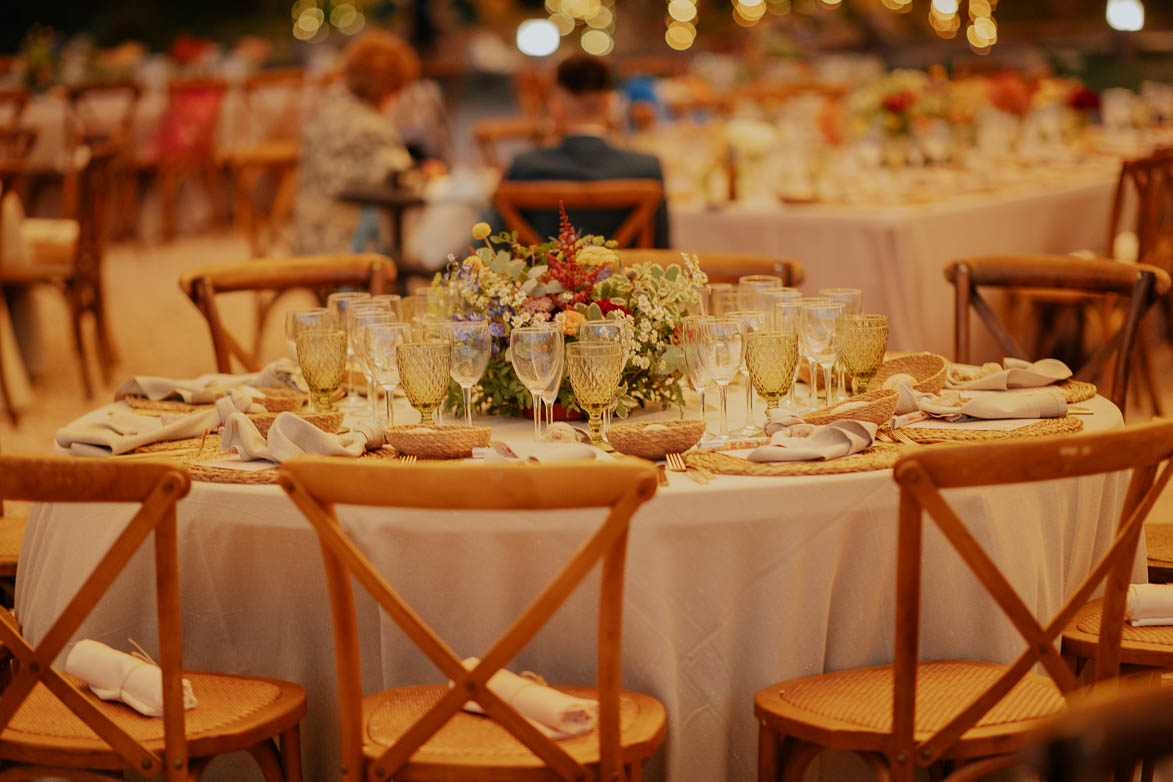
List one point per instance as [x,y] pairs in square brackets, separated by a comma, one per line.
[1084,99]
[899,102]
[606,305]
[566,269]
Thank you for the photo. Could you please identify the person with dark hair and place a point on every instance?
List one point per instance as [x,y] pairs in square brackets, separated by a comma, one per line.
[582,103]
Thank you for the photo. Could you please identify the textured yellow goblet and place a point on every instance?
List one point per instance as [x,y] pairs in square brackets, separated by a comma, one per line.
[864,340]
[594,369]
[423,373]
[771,357]
[322,356]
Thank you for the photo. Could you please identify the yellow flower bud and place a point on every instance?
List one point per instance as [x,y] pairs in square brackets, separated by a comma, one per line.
[481,231]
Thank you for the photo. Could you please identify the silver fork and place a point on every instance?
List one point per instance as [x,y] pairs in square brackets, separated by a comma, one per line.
[675,462]
[406,458]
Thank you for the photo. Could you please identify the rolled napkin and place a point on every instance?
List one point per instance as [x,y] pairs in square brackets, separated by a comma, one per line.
[117,676]
[122,432]
[554,713]
[291,436]
[952,406]
[1149,605]
[204,389]
[1014,373]
[791,440]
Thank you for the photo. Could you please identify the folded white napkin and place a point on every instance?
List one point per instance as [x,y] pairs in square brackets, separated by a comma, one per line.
[282,373]
[122,432]
[1149,605]
[529,451]
[291,436]
[117,676]
[554,713]
[1014,373]
[1038,403]
[792,440]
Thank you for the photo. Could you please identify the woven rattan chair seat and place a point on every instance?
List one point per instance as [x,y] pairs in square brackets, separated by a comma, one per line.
[11,537]
[861,699]
[45,731]
[473,740]
[1146,646]
[1159,543]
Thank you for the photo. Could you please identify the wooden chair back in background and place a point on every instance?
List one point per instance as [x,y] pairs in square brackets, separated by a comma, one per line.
[906,724]
[112,737]
[316,485]
[1138,285]
[490,133]
[641,196]
[725,267]
[317,272]
[12,103]
[187,145]
[85,120]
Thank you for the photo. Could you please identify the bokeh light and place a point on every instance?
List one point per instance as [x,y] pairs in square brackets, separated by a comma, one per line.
[1126,15]
[682,10]
[680,35]
[945,7]
[597,42]
[563,22]
[538,37]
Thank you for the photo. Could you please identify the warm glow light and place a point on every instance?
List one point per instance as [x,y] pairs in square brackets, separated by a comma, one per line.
[311,19]
[355,27]
[751,13]
[945,7]
[343,15]
[602,18]
[682,10]
[986,29]
[680,35]
[779,7]
[564,23]
[1127,15]
[597,42]
[581,9]
[538,37]
[747,3]
[979,8]
[553,6]
[831,3]
[301,6]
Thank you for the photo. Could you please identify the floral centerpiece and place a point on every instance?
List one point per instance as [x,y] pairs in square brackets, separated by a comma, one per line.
[566,281]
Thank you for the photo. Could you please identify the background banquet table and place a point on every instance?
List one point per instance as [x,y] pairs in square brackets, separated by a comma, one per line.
[898,252]
[730,587]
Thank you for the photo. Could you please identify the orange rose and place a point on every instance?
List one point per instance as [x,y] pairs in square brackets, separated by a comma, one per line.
[570,321]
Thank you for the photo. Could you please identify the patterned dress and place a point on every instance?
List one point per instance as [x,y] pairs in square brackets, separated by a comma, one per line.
[347,142]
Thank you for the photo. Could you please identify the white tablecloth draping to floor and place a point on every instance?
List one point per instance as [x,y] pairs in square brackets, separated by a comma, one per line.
[897,254]
[730,587]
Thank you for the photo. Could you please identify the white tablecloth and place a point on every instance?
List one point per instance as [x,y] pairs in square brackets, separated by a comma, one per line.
[730,587]
[897,254]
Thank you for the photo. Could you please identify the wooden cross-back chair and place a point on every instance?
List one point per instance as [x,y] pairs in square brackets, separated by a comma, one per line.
[725,267]
[457,745]
[11,535]
[640,196]
[52,726]
[12,103]
[90,124]
[189,130]
[320,273]
[916,713]
[1137,284]
[489,133]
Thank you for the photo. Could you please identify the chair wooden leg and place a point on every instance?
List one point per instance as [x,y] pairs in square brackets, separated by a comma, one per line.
[79,343]
[767,753]
[635,772]
[107,353]
[196,768]
[1144,366]
[881,769]
[6,394]
[267,759]
[291,754]
[795,757]
[1147,768]
[168,190]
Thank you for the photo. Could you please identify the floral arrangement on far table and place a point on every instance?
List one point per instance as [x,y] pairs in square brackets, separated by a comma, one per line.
[567,280]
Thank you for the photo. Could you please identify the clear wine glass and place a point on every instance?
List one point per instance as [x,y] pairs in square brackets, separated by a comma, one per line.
[820,340]
[471,347]
[360,318]
[753,320]
[691,344]
[382,341]
[852,301]
[813,377]
[297,320]
[393,301]
[340,303]
[722,299]
[536,354]
[749,286]
[723,348]
[549,394]
[788,319]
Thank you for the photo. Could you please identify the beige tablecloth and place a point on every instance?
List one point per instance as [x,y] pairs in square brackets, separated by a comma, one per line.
[730,587]
[897,254]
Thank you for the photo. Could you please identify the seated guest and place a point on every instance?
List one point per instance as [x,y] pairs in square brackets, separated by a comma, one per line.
[349,141]
[581,104]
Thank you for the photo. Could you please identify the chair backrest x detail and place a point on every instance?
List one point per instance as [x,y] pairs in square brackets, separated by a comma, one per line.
[317,272]
[922,476]
[316,484]
[641,196]
[1151,179]
[156,488]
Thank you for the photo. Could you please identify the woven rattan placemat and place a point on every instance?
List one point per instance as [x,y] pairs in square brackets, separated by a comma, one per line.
[1077,391]
[880,456]
[211,474]
[1048,426]
[162,405]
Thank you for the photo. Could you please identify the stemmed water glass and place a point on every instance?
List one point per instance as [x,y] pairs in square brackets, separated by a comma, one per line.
[820,342]
[722,299]
[852,301]
[607,330]
[549,395]
[750,286]
[381,342]
[321,353]
[864,339]
[392,301]
[360,318]
[423,371]
[694,365]
[471,347]
[299,320]
[723,347]
[536,355]
[753,320]
[788,318]
[340,304]
[595,369]
[771,357]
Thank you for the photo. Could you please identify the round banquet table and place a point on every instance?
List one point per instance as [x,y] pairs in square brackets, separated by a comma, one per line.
[897,253]
[730,586]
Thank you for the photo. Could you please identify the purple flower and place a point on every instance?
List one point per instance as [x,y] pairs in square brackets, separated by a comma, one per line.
[497,329]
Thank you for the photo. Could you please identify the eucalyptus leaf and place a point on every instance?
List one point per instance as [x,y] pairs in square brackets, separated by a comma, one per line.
[594,312]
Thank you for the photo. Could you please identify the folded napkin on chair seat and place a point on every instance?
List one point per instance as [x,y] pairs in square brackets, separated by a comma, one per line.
[291,436]
[118,676]
[792,440]
[120,433]
[1014,373]
[1149,605]
[553,712]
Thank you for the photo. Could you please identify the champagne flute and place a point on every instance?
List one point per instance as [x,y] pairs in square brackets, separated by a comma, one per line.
[549,394]
[723,347]
[820,339]
[864,339]
[594,369]
[382,341]
[471,347]
[423,371]
[340,303]
[322,356]
[754,320]
[297,320]
[771,357]
[360,318]
[749,286]
[690,343]
[852,301]
[535,352]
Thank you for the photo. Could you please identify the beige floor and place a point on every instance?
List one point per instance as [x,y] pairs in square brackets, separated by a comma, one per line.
[158,331]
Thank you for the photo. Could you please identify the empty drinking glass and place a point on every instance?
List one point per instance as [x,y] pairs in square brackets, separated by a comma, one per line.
[340,304]
[723,343]
[321,353]
[754,320]
[864,339]
[691,345]
[771,357]
[549,395]
[298,320]
[852,300]
[722,299]
[360,318]
[749,287]
[607,330]
[392,301]
[536,355]
[595,369]
[471,348]
[423,371]
[820,342]
[382,341]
